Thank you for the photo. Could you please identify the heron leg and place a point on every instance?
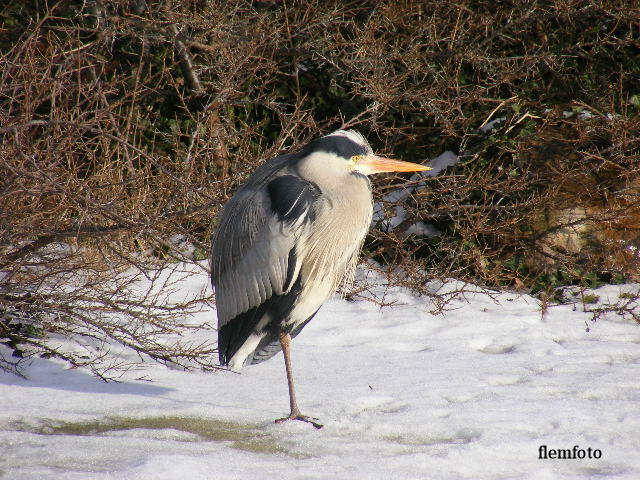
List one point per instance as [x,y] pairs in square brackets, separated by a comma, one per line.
[285,342]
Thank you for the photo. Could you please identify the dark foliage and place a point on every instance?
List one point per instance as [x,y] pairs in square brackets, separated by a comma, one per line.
[126,124]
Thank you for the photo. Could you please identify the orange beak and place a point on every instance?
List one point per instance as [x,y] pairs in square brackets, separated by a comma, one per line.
[374,164]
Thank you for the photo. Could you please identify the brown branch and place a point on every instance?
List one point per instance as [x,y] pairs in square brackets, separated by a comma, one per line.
[190,75]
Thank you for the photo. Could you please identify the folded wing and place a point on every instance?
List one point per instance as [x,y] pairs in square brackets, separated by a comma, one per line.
[254,259]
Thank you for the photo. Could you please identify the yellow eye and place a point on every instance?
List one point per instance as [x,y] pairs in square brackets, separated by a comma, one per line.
[356,158]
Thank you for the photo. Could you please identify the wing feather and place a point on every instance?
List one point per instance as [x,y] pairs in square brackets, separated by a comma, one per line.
[256,240]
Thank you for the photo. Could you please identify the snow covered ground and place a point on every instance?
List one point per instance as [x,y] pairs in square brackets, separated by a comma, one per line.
[404,394]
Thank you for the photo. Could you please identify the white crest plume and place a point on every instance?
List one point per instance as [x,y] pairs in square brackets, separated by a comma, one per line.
[354,136]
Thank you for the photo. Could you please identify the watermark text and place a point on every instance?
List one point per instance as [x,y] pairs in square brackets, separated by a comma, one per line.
[545,453]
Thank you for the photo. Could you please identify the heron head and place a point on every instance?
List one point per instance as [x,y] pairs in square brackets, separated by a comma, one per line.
[356,153]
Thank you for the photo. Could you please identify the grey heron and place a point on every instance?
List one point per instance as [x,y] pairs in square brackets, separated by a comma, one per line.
[287,239]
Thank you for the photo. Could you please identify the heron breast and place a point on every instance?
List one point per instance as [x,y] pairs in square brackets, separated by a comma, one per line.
[335,238]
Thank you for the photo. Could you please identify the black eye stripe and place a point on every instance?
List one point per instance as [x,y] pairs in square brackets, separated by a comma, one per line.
[338,145]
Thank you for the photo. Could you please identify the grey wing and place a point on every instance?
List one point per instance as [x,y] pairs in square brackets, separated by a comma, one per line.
[253,259]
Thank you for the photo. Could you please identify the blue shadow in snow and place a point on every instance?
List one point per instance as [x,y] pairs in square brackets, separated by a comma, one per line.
[43,373]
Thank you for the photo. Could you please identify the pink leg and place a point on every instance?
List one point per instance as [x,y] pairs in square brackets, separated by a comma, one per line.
[285,342]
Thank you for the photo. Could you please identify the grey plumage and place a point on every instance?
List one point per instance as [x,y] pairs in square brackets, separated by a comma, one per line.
[287,240]
[279,228]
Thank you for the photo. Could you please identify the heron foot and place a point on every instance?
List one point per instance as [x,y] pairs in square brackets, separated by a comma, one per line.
[302,418]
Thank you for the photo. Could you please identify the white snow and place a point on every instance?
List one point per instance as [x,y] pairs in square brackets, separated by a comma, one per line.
[395,198]
[487,127]
[404,394]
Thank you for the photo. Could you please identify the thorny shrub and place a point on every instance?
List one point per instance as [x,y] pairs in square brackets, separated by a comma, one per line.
[126,124]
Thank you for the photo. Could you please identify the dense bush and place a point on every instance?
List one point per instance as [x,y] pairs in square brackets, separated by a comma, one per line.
[126,124]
